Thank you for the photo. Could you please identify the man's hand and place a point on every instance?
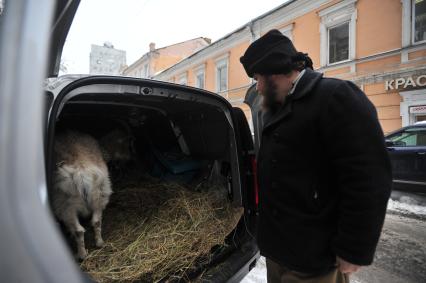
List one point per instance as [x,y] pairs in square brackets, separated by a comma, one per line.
[346,267]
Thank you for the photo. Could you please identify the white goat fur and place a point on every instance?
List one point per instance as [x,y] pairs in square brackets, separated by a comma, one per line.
[81,185]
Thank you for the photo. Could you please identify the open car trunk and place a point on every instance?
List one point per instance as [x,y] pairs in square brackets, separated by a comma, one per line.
[187,146]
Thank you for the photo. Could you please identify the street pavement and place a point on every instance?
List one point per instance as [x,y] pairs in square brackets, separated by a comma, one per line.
[401,252]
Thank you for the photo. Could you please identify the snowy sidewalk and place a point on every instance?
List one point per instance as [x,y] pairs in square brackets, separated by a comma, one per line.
[258,274]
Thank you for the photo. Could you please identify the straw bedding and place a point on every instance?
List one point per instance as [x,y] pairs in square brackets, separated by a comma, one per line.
[156,231]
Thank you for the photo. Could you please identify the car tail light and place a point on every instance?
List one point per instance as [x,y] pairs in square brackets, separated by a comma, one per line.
[255,183]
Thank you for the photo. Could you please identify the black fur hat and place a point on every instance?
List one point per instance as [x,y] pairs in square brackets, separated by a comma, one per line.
[273,53]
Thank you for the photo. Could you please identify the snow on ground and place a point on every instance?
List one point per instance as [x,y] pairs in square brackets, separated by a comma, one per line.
[407,205]
[257,274]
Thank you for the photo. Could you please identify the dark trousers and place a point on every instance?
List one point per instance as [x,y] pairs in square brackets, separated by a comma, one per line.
[279,274]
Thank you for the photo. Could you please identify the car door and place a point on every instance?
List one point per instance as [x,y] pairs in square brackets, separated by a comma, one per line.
[254,100]
[32,249]
[407,150]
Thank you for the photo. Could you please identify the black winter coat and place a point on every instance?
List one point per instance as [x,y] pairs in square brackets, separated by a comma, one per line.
[324,177]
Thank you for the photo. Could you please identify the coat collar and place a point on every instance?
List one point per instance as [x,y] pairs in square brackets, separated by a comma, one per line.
[307,82]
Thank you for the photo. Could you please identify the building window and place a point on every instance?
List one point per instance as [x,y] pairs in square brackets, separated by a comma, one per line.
[338,43]
[183,80]
[419,21]
[338,30]
[145,71]
[413,22]
[222,78]
[288,31]
[200,77]
[222,75]
[200,80]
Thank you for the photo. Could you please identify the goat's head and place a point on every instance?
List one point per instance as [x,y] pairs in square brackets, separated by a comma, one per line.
[117,146]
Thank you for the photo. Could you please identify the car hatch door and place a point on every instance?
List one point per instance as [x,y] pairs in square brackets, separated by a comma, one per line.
[64,14]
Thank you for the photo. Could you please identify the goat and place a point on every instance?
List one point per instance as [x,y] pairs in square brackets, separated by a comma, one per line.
[82,184]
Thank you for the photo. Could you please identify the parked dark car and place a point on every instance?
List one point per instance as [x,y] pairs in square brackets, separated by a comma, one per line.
[407,149]
[32,34]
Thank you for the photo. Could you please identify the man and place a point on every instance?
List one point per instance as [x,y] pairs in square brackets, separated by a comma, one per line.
[324,172]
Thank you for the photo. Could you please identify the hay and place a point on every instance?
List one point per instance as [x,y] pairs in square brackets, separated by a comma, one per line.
[155,232]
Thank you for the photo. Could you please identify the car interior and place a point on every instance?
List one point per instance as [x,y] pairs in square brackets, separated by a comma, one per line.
[177,141]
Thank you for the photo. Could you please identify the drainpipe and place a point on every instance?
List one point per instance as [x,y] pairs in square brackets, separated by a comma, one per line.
[250,25]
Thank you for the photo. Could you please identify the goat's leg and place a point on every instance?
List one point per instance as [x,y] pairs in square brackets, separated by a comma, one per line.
[101,190]
[81,249]
[97,227]
[100,198]
[73,224]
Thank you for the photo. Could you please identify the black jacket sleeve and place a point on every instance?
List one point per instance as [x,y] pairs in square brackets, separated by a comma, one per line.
[360,169]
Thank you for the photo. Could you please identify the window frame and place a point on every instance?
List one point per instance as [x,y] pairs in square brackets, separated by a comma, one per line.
[328,43]
[200,70]
[145,71]
[288,31]
[183,78]
[331,17]
[219,63]
[408,26]
[413,24]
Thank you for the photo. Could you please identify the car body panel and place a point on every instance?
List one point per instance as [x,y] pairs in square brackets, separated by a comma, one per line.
[407,150]
[31,244]
[254,101]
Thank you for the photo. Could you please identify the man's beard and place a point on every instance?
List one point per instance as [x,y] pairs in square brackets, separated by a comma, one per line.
[270,101]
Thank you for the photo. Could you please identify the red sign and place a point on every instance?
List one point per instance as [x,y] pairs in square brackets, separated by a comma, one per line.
[418,109]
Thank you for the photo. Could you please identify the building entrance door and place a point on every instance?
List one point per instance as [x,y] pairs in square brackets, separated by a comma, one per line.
[413,106]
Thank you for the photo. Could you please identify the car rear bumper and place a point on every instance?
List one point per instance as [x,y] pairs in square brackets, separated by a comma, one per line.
[235,267]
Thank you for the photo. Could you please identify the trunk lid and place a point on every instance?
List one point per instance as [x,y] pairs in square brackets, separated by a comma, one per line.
[254,100]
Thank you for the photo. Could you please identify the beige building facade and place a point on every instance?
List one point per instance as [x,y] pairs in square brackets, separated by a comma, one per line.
[378,44]
[159,59]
